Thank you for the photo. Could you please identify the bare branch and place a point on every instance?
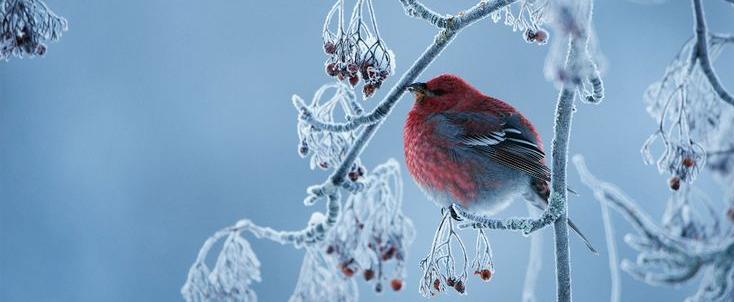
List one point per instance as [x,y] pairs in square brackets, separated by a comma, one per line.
[701,53]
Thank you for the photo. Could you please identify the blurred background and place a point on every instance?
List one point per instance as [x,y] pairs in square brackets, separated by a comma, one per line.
[154,123]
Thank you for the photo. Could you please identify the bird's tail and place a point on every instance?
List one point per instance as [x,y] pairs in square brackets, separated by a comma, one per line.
[583,238]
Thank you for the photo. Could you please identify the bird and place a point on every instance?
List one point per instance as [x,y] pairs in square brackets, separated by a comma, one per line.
[464,147]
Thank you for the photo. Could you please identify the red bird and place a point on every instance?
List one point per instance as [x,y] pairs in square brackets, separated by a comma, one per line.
[464,147]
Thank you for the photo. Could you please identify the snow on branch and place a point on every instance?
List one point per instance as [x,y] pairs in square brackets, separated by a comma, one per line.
[26,26]
[668,257]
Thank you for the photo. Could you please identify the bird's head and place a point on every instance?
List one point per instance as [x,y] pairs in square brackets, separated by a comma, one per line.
[442,92]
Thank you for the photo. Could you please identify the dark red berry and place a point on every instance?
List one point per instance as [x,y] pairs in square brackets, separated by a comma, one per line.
[353,176]
[485,274]
[688,162]
[459,287]
[368,90]
[346,270]
[324,165]
[674,183]
[329,47]
[396,284]
[368,274]
[437,284]
[450,281]
[389,253]
[353,80]
[331,69]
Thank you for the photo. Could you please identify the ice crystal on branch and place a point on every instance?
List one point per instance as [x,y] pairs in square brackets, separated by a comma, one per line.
[689,114]
[529,18]
[318,281]
[235,269]
[355,51]
[326,148]
[26,27]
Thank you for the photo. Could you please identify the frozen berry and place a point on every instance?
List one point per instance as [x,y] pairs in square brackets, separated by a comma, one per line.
[396,284]
[674,183]
[688,162]
[450,281]
[353,176]
[459,287]
[324,165]
[485,274]
[329,47]
[353,80]
[389,253]
[331,69]
[330,249]
[346,270]
[368,90]
[437,284]
[541,36]
[368,274]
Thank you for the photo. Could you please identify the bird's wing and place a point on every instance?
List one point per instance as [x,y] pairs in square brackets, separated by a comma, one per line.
[501,137]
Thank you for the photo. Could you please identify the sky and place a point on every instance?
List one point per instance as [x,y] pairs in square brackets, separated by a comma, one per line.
[154,123]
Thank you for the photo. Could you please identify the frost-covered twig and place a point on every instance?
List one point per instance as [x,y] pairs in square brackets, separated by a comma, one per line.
[667,259]
[26,26]
[535,262]
[701,53]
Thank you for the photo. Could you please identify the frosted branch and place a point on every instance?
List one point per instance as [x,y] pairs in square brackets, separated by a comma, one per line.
[26,26]
[535,263]
[668,259]
[701,53]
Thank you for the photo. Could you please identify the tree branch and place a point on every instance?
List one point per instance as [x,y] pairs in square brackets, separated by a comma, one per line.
[701,54]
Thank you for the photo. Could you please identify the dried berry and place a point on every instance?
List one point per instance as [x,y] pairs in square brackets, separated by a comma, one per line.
[459,287]
[368,274]
[329,47]
[674,183]
[396,284]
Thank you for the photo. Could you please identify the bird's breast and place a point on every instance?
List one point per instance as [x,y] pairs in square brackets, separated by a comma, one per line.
[434,163]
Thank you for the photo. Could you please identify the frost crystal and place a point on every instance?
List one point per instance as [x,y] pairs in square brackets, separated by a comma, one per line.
[26,26]
[236,268]
[689,113]
[327,148]
[319,281]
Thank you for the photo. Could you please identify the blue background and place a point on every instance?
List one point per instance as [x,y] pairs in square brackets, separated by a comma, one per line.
[154,123]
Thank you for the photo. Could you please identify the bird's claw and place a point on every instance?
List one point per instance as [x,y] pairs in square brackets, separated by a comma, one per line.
[455,215]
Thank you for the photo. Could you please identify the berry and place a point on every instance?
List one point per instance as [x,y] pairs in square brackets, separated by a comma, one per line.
[352,68]
[346,270]
[378,287]
[450,281]
[396,284]
[368,90]
[331,69]
[459,287]
[330,249]
[389,253]
[329,47]
[368,274]
[437,284]
[674,183]
[324,165]
[303,149]
[688,162]
[541,36]
[485,274]
[360,171]
[353,80]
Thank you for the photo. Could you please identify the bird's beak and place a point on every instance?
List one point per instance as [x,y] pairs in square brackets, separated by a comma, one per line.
[420,90]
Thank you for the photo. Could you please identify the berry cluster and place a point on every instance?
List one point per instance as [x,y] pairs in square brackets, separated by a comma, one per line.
[372,233]
[25,26]
[355,52]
